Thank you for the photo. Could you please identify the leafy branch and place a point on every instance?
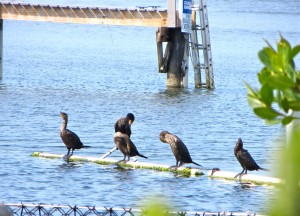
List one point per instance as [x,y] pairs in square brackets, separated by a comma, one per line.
[280,84]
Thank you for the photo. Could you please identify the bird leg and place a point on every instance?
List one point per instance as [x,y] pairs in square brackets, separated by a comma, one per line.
[241,174]
[127,159]
[174,167]
[67,156]
[68,152]
[123,160]
[181,164]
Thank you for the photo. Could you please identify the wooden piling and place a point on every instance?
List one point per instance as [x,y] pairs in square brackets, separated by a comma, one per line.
[175,71]
[1,44]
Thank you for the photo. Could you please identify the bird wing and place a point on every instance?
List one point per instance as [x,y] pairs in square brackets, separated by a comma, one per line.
[171,139]
[122,125]
[183,152]
[246,160]
[70,139]
[121,142]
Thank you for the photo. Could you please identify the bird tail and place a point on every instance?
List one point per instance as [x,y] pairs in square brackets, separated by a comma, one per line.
[196,164]
[142,156]
[264,169]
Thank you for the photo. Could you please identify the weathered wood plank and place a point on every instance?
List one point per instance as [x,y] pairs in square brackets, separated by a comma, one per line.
[86,15]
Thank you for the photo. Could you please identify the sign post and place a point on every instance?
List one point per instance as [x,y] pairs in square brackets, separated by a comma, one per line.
[186,15]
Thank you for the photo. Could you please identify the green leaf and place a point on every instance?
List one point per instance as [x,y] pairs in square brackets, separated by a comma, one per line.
[278,62]
[254,102]
[273,121]
[266,113]
[265,56]
[286,120]
[284,104]
[294,105]
[280,82]
[290,94]
[264,75]
[284,49]
[278,96]
[266,93]
[251,92]
[295,51]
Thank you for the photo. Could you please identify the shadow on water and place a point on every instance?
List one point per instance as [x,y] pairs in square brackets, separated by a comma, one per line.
[244,186]
[70,165]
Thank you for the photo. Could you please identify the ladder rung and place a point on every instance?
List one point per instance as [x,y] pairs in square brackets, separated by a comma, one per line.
[201,66]
[195,7]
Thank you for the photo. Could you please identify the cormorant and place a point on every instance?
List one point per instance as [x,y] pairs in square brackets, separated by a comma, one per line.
[179,149]
[69,138]
[126,146]
[123,124]
[245,159]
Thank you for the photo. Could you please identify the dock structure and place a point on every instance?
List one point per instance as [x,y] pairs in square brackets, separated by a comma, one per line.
[170,22]
[85,15]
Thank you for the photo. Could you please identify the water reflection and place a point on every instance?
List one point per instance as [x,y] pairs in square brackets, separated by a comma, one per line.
[2,86]
[70,165]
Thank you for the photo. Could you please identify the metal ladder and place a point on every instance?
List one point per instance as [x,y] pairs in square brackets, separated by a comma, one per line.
[202,28]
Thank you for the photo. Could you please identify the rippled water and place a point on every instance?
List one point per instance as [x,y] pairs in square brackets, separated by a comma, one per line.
[100,73]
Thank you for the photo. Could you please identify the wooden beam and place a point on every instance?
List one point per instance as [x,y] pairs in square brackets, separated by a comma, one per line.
[86,15]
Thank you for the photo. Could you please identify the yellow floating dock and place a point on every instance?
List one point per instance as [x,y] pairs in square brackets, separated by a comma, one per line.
[254,179]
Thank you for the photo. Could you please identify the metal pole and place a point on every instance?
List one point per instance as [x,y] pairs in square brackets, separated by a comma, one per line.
[109,152]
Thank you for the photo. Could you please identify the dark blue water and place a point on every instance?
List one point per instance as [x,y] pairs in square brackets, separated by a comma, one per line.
[100,73]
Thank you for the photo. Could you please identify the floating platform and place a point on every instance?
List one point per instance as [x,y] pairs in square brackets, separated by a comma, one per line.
[184,171]
[130,164]
[255,179]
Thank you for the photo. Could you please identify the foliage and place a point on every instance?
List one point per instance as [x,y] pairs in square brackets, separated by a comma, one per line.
[288,198]
[280,84]
[156,207]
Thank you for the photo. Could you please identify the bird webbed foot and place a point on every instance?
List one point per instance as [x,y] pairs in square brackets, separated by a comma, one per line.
[240,175]
[121,161]
[174,167]
[67,158]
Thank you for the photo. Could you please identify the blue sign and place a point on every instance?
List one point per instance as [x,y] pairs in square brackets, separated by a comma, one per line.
[187,6]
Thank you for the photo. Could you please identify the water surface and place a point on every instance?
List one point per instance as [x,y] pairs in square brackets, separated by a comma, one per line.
[100,73]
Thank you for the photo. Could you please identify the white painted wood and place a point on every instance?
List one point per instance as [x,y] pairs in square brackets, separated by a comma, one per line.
[248,177]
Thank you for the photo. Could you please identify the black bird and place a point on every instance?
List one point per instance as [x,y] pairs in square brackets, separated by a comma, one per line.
[245,159]
[69,138]
[179,149]
[126,146]
[123,125]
